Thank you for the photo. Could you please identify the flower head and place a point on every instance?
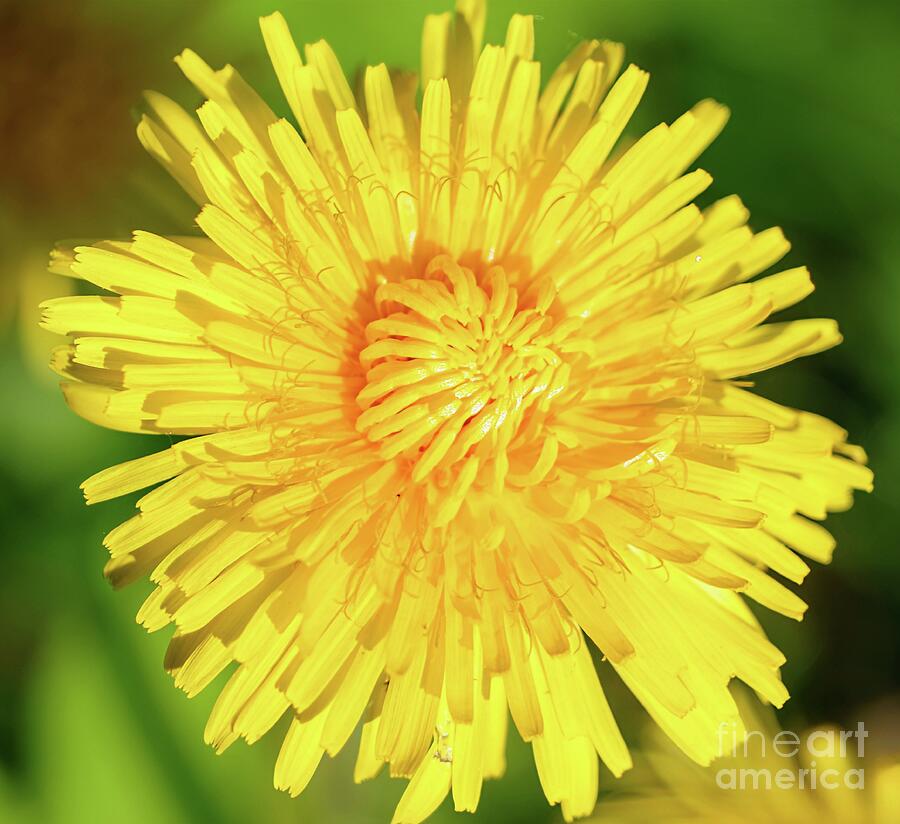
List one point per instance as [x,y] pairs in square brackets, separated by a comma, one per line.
[463,388]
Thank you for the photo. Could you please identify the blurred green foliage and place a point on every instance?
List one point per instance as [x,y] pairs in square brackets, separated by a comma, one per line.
[91,728]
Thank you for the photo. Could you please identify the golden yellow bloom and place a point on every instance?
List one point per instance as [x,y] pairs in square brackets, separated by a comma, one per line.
[824,775]
[464,389]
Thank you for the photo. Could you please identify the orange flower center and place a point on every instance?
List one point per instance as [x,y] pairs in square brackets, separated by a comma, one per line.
[461,367]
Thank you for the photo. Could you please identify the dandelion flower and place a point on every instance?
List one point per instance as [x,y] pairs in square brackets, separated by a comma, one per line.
[819,776]
[462,390]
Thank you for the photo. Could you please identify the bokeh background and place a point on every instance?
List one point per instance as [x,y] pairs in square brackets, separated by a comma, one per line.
[91,729]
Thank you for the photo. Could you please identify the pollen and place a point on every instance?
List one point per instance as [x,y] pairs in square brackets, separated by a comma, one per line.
[462,370]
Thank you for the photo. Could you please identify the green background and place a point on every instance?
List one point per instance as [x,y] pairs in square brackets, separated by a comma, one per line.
[91,729]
